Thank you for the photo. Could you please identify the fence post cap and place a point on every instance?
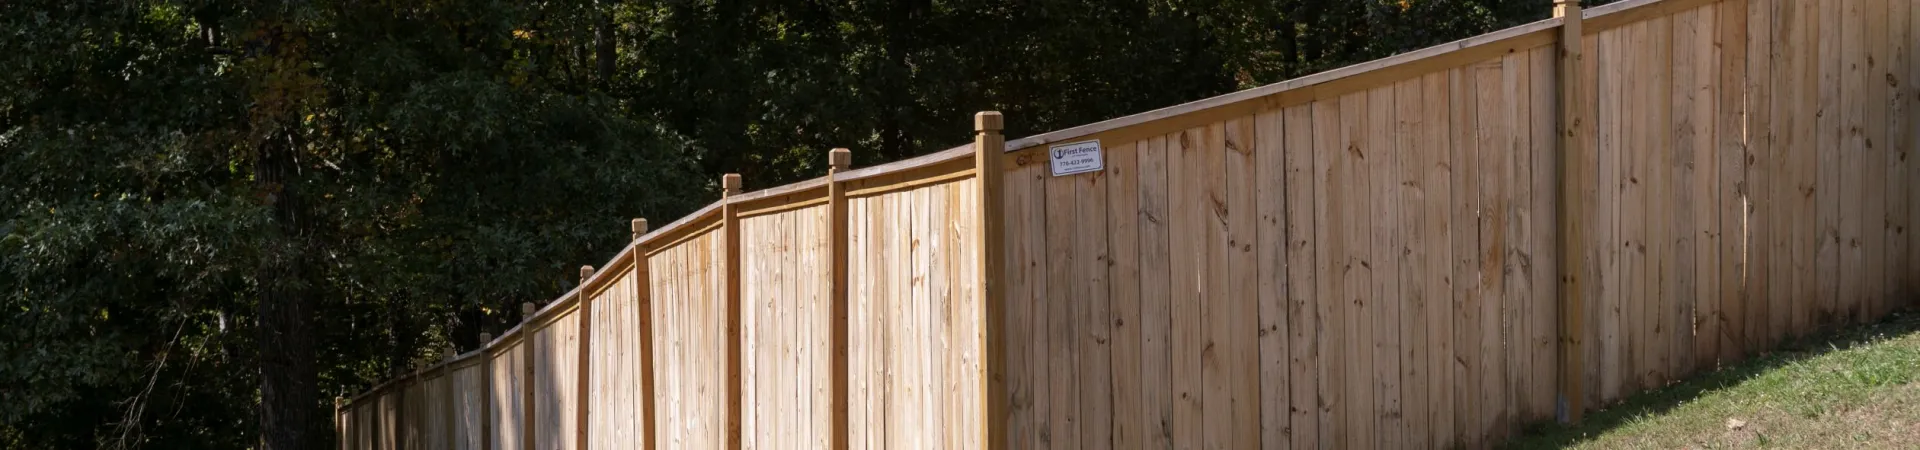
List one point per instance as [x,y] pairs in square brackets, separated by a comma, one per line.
[339,402]
[526,311]
[840,158]
[585,272]
[730,183]
[448,354]
[485,338]
[639,227]
[988,121]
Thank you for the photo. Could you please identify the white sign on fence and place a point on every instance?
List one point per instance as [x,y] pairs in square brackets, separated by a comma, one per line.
[1077,157]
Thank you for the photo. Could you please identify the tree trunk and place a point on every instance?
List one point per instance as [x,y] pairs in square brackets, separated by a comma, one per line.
[288,397]
[604,51]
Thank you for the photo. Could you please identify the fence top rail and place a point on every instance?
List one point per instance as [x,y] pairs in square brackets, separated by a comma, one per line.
[437,369]
[1613,15]
[1296,85]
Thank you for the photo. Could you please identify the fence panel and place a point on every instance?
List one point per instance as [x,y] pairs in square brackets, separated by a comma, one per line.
[615,365]
[556,350]
[688,302]
[504,399]
[913,318]
[1360,258]
[468,391]
[785,324]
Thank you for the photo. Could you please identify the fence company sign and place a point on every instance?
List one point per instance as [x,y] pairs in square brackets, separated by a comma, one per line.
[1077,157]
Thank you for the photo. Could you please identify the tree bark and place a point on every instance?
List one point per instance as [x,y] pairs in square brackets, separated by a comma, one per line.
[288,395]
[604,50]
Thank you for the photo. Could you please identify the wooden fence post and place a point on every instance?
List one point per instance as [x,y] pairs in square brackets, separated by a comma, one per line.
[838,160]
[447,383]
[1574,170]
[486,391]
[339,425]
[989,147]
[527,410]
[730,232]
[643,298]
[414,423]
[582,403]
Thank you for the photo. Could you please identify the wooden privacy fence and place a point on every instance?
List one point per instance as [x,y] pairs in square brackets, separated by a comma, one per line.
[1428,250]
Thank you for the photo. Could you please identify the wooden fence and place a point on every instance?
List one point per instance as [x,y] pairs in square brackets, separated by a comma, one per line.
[1429,250]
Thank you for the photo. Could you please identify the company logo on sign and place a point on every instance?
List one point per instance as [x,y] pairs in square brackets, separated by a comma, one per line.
[1077,157]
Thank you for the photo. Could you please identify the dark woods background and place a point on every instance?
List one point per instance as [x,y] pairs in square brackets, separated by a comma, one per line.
[216,216]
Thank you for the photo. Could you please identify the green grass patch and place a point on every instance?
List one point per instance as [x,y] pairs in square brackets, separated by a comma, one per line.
[1853,388]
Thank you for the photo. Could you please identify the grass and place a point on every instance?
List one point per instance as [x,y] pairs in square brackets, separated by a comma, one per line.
[1852,388]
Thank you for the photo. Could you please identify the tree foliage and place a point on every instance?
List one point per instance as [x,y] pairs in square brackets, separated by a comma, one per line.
[216,214]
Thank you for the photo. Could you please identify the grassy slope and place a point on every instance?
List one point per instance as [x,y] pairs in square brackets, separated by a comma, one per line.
[1854,388]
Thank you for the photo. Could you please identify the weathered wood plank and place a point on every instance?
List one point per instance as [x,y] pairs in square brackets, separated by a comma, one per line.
[1659,284]
[1542,123]
[1123,240]
[1094,314]
[1636,115]
[1494,145]
[1384,274]
[1827,189]
[1517,292]
[1873,161]
[923,374]
[1432,252]
[1330,158]
[1234,323]
[1610,59]
[1215,292]
[1853,151]
[1691,103]
[1063,335]
[1720,331]
[1411,265]
[1306,343]
[1910,89]
[1359,299]
[1021,188]
[862,340]
[1275,380]
[1187,175]
[1465,180]
[1900,138]
[1156,309]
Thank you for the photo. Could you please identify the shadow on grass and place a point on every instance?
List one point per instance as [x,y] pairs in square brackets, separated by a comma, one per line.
[1660,400]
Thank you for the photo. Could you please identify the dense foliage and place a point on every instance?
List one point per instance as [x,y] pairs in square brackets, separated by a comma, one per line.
[217,215]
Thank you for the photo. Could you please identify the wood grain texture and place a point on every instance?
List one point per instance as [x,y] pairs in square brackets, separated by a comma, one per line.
[1306,346]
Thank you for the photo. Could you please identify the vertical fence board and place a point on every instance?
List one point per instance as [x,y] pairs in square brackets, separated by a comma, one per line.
[1123,238]
[1094,313]
[1873,176]
[1305,313]
[1186,178]
[1900,137]
[1409,119]
[1236,325]
[1158,398]
[1274,382]
[1023,267]
[1827,189]
[1384,254]
[1329,162]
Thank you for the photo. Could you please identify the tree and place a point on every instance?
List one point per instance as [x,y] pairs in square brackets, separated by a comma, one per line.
[203,197]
